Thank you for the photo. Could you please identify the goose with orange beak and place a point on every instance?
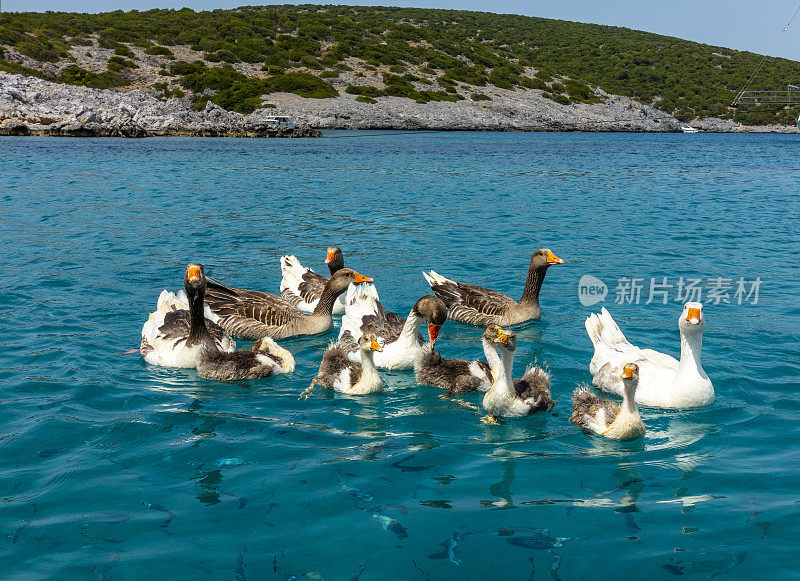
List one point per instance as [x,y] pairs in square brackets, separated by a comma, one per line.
[609,419]
[402,342]
[338,373]
[303,287]
[475,305]
[507,396]
[254,314]
[664,381]
[178,333]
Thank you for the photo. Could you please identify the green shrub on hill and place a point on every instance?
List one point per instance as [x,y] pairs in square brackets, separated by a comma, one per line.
[472,48]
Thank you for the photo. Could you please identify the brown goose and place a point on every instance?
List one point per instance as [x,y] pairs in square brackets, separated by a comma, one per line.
[476,305]
[254,314]
[303,287]
[338,373]
[454,376]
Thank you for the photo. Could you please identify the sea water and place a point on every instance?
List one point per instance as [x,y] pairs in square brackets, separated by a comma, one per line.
[114,469]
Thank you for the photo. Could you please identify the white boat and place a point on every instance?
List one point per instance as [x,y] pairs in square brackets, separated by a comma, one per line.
[689,129]
[280,121]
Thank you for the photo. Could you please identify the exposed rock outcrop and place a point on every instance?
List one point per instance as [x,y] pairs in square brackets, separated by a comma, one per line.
[32,106]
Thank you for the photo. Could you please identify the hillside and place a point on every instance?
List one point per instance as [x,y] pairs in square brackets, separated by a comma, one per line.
[237,58]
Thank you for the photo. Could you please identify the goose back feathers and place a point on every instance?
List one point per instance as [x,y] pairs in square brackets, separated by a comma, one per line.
[255,314]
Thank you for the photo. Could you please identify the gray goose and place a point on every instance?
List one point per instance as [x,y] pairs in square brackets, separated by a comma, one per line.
[591,412]
[454,376]
[475,305]
[254,314]
[303,287]
[338,373]
[264,359]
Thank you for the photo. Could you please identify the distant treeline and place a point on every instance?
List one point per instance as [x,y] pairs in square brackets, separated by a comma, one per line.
[299,47]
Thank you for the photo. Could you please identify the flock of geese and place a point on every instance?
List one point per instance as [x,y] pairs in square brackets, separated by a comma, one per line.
[193,329]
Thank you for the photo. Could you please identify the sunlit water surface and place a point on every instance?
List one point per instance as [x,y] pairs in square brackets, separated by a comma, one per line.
[113,469]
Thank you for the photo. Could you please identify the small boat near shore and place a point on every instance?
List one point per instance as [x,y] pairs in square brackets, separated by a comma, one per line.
[280,121]
[689,129]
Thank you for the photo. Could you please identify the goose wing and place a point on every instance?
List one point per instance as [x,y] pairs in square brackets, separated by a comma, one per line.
[469,303]
[299,283]
[612,351]
[249,314]
[591,411]
[364,313]
[534,387]
[337,368]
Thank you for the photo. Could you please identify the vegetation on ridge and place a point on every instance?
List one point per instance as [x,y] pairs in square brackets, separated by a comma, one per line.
[240,55]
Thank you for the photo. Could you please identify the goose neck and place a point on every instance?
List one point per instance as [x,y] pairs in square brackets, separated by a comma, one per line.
[502,366]
[198,332]
[326,301]
[533,284]
[408,335]
[691,345]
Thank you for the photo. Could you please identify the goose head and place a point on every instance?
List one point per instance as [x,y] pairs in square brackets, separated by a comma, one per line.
[341,279]
[334,259]
[194,282]
[434,311]
[543,258]
[369,342]
[504,339]
[630,378]
[692,319]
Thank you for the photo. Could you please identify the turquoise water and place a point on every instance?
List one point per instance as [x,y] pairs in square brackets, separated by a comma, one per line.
[113,469]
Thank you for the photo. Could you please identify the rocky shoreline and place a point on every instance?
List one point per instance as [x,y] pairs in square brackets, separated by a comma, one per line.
[32,106]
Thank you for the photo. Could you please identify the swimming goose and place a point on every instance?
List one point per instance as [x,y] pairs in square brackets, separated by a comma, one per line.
[454,376]
[663,381]
[303,287]
[506,396]
[476,305]
[176,334]
[338,373]
[254,314]
[266,358]
[402,343]
[607,418]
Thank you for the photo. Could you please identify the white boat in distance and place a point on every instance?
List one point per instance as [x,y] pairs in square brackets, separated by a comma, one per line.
[280,121]
[689,129]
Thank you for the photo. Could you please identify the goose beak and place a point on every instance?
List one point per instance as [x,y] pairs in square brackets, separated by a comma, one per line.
[627,373]
[553,259]
[433,332]
[375,346]
[693,316]
[502,337]
[193,273]
[330,257]
[361,278]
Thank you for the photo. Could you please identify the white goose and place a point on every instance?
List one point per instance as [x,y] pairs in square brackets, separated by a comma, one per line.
[402,343]
[663,381]
[177,333]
